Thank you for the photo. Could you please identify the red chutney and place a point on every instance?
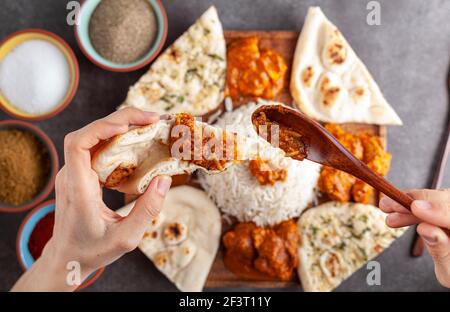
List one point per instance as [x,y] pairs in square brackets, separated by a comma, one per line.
[41,234]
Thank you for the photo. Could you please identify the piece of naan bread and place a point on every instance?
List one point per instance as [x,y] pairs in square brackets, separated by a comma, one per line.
[330,83]
[183,240]
[128,162]
[189,76]
[337,239]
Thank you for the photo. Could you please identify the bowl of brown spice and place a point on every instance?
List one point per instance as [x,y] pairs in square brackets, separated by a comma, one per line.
[121,35]
[28,165]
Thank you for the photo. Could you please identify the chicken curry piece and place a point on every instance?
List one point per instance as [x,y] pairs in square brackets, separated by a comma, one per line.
[203,147]
[343,187]
[254,72]
[289,140]
[265,172]
[262,253]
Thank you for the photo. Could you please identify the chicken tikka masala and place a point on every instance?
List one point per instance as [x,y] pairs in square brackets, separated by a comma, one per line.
[252,71]
[262,253]
[343,187]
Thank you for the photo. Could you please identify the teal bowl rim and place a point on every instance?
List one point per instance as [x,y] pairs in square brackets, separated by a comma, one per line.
[84,42]
[27,226]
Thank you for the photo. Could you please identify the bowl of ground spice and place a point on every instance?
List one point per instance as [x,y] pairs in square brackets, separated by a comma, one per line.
[35,232]
[28,166]
[121,35]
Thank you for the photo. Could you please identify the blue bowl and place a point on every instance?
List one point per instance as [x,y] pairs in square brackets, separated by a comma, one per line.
[24,256]
[82,35]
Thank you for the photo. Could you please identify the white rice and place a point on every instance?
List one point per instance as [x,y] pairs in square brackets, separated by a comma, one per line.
[238,193]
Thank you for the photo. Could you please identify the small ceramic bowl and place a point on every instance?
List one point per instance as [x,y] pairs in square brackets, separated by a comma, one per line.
[21,36]
[82,34]
[54,163]
[24,256]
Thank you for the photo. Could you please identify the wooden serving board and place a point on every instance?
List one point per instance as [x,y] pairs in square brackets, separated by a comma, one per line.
[283,42]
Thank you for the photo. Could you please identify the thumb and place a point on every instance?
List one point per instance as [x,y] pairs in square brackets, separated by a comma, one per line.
[438,245]
[147,207]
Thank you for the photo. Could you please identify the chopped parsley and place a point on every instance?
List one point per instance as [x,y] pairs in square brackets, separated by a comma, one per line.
[364,254]
[216,57]
[363,218]
[314,230]
[169,107]
[341,246]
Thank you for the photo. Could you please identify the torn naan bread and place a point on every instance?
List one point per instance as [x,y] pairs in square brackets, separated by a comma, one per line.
[337,239]
[183,240]
[128,162]
[330,83]
[189,76]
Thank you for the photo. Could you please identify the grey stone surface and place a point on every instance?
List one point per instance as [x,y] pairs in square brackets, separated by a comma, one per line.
[408,54]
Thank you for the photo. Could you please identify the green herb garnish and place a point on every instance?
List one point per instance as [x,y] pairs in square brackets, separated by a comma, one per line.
[216,57]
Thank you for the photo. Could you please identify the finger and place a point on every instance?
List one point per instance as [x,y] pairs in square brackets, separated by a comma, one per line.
[114,124]
[438,245]
[430,195]
[78,143]
[397,220]
[132,116]
[435,212]
[147,208]
[389,205]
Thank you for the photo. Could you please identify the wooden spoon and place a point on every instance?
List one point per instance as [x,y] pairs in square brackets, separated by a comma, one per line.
[325,149]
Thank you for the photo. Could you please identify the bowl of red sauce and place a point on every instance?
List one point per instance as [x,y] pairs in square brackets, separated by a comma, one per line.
[34,233]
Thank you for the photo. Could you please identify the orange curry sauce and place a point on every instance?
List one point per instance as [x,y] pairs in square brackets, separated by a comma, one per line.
[262,253]
[212,154]
[289,140]
[341,186]
[254,72]
[265,173]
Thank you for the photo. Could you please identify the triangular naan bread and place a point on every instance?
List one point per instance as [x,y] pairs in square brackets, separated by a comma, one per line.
[183,240]
[189,76]
[337,239]
[330,83]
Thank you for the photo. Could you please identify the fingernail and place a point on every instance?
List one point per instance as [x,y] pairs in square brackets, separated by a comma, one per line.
[422,204]
[164,117]
[386,201]
[430,240]
[163,186]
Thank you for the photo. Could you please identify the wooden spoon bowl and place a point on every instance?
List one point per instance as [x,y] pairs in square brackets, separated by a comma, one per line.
[325,149]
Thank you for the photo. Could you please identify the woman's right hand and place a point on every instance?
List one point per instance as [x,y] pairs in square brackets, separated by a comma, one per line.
[431,211]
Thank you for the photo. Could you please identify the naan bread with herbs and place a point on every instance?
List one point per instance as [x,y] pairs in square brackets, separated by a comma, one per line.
[189,76]
[337,239]
[330,83]
[183,240]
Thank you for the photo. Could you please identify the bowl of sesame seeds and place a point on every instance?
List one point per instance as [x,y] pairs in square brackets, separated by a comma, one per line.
[121,35]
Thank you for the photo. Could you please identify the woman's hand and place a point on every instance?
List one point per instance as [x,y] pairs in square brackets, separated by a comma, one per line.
[431,210]
[86,230]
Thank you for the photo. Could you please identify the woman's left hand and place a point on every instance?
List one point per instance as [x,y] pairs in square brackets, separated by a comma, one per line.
[86,231]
